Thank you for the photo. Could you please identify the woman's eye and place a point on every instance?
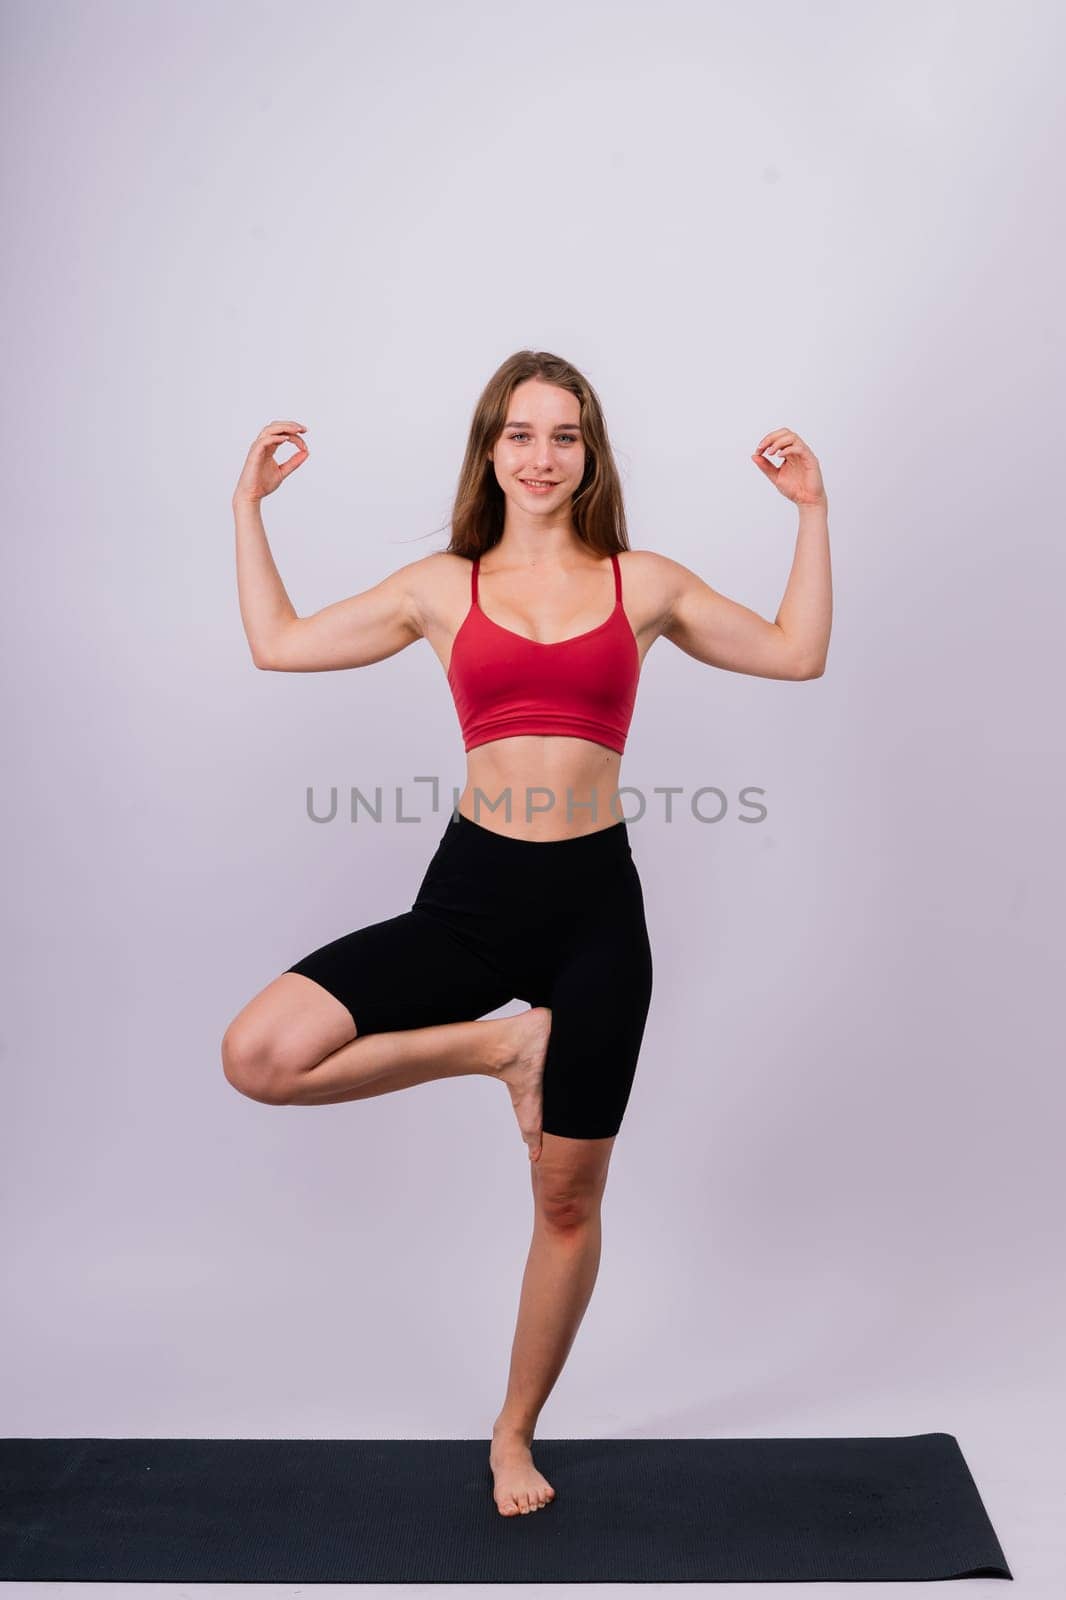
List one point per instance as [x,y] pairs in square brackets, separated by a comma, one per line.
[572,437]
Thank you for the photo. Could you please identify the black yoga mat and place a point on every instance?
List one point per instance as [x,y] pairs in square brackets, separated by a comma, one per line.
[421,1511]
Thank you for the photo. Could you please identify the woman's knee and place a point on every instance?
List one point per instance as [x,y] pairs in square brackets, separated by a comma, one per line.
[284,1031]
[564,1209]
[253,1062]
[569,1179]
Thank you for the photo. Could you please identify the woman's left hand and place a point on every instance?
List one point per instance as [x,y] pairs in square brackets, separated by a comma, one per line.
[799,477]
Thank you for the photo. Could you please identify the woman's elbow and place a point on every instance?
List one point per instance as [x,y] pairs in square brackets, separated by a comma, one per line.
[282,650]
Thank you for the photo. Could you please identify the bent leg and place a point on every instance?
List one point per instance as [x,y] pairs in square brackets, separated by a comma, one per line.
[385,1007]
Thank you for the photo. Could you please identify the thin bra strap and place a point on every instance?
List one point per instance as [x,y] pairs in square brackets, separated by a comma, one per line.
[473,580]
[617,579]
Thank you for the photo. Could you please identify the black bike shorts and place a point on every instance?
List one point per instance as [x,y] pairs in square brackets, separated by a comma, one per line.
[556,922]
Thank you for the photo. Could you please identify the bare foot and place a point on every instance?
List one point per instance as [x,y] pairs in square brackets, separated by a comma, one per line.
[524,1050]
[519,1488]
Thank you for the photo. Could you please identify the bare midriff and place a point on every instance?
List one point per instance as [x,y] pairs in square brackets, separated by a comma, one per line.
[542,786]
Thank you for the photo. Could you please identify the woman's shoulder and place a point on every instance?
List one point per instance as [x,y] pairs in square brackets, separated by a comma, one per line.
[436,584]
[646,560]
[652,571]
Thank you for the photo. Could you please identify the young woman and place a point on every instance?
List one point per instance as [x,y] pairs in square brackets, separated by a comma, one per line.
[541,616]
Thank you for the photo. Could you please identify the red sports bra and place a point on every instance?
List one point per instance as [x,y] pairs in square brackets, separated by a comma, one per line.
[504,684]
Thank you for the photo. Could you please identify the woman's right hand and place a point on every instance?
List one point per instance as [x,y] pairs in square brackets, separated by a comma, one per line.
[261,474]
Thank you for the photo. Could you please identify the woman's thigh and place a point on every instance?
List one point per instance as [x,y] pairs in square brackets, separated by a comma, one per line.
[404,972]
[409,971]
[600,995]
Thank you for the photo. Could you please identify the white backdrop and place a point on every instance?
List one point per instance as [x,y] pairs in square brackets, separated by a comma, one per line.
[835,1204]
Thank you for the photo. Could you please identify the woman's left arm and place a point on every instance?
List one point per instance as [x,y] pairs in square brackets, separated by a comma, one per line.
[724,633]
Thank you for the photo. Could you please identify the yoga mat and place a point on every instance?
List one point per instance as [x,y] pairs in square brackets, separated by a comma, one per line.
[421,1511]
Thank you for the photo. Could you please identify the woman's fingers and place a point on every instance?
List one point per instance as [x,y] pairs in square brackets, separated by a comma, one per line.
[261,474]
[285,467]
[268,443]
[779,436]
[772,443]
[798,479]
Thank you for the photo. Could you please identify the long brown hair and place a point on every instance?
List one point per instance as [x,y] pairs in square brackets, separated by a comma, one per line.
[478,513]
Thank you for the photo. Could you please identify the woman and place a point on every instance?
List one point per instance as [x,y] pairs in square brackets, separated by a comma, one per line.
[532,892]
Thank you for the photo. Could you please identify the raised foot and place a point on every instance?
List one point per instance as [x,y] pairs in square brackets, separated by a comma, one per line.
[525,1046]
[518,1487]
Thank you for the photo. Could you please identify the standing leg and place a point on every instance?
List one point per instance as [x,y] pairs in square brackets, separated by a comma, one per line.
[599,997]
[561,1269]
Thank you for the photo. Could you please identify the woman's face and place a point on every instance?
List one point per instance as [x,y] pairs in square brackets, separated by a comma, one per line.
[541,440]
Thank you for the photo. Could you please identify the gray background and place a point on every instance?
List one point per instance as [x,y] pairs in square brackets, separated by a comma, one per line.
[835,1204]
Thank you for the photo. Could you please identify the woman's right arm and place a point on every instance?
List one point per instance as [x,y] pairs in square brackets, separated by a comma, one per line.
[366,627]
